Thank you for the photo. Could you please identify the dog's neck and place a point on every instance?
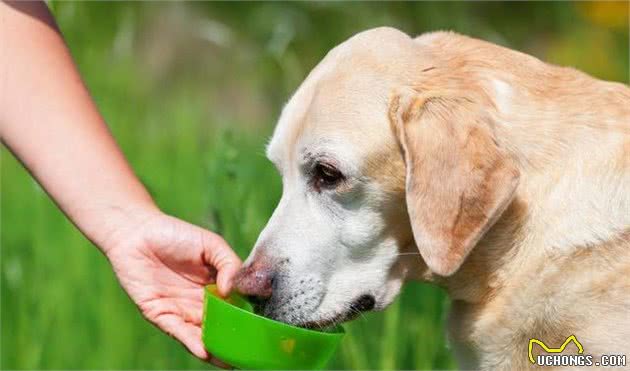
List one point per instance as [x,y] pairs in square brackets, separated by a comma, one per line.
[554,213]
[483,273]
[513,277]
[568,211]
[568,217]
[572,192]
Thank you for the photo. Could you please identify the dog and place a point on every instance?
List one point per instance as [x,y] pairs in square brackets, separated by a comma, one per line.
[451,160]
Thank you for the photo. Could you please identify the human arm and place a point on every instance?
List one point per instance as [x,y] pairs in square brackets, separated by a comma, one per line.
[49,121]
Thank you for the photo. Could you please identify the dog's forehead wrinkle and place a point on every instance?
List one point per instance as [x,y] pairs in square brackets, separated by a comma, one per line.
[319,152]
[337,150]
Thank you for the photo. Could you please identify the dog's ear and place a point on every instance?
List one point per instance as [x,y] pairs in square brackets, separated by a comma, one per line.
[458,180]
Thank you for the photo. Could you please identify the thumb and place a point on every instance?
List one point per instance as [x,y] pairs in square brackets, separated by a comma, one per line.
[219,255]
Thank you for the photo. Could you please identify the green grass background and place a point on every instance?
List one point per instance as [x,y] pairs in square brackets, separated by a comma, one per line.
[191,91]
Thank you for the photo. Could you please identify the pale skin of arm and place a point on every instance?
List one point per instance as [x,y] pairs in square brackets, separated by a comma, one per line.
[49,121]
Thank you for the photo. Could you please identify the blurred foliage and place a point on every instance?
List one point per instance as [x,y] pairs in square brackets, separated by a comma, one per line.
[191,92]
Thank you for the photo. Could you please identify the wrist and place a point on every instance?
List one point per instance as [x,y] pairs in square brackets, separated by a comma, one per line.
[111,226]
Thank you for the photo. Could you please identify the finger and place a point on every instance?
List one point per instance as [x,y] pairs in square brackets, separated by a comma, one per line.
[187,334]
[218,254]
[225,277]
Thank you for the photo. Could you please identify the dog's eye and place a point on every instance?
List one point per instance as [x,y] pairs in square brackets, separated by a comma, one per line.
[326,176]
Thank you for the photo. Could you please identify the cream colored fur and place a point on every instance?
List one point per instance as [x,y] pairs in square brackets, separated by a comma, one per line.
[520,173]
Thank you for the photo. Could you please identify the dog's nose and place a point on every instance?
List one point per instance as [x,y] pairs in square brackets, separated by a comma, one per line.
[255,279]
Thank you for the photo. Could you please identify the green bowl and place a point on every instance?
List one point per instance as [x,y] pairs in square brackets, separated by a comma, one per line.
[236,335]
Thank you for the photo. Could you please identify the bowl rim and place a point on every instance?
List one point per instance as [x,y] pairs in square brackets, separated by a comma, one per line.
[337,331]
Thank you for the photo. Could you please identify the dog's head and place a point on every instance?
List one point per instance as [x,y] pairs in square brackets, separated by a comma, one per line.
[375,167]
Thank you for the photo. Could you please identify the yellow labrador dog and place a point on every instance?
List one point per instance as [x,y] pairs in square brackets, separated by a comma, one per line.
[451,160]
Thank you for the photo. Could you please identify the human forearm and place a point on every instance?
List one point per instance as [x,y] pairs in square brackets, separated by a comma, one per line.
[49,121]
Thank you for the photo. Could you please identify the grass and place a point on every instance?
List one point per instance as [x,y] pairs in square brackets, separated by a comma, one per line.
[192,114]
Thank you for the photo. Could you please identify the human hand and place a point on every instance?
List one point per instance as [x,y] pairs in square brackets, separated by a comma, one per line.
[164,263]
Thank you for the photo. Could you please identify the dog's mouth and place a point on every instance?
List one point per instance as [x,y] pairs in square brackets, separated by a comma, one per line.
[362,304]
